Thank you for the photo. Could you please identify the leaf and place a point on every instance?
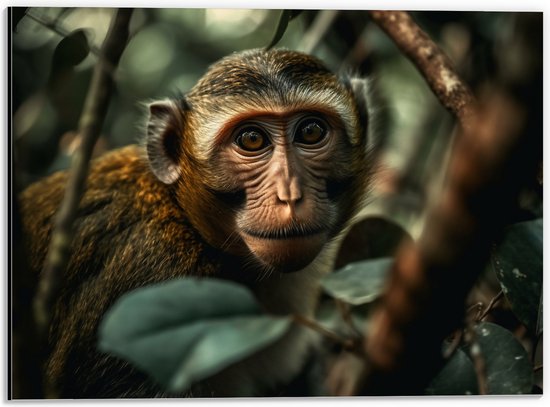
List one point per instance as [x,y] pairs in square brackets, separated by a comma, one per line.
[71,50]
[518,265]
[456,378]
[370,238]
[188,329]
[358,283]
[284,19]
[331,318]
[17,15]
[507,364]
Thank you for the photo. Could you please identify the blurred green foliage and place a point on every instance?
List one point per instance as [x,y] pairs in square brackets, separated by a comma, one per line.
[54,51]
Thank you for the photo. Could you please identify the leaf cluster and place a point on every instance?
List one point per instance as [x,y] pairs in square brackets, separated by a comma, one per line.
[187,330]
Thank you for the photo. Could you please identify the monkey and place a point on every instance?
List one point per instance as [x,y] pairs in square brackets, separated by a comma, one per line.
[251,176]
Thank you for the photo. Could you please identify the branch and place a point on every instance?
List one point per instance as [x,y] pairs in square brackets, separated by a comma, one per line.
[478,360]
[492,303]
[91,122]
[346,343]
[432,63]
[320,26]
[496,151]
[429,281]
[55,28]
[345,313]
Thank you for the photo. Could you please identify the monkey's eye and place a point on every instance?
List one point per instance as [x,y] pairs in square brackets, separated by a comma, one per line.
[251,139]
[310,131]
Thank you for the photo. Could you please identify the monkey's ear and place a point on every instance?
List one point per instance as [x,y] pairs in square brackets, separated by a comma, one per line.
[164,130]
[372,114]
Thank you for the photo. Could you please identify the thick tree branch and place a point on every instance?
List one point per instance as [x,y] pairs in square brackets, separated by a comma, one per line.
[432,63]
[91,122]
[495,153]
[425,297]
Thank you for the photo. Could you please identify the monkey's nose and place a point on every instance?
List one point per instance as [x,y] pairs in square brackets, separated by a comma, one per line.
[289,191]
[291,195]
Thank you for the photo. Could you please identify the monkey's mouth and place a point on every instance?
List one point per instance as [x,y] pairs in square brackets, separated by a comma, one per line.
[286,249]
[295,231]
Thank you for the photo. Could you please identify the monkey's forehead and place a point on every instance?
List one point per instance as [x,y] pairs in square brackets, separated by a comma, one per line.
[274,81]
[259,73]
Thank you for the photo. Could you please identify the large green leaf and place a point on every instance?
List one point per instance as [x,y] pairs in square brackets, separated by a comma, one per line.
[518,265]
[186,330]
[358,283]
[456,378]
[507,364]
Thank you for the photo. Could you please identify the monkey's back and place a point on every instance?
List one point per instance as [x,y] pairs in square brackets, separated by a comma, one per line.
[129,232]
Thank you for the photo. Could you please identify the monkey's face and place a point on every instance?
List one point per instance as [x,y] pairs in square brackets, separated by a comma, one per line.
[267,155]
[284,164]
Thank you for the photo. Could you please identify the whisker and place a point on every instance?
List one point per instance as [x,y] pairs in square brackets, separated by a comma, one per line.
[291,231]
[229,240]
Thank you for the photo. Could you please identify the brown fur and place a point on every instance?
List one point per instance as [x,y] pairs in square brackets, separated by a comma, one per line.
[133,230]
[125,238]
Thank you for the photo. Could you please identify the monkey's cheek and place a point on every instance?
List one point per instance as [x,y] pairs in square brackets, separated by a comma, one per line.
[286,255]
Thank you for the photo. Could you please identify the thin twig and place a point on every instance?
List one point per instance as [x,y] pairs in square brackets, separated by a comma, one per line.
[357,54]
[478,360]
[347,344]
[477,307]
[345,312]
[317,31]
[537,368]
[492,303]
[91,122]
[430,60]
[534,347]
[54,27]
[457,339]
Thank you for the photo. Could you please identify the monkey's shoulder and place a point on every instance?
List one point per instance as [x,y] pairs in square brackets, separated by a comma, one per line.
[120,177]
[126,218]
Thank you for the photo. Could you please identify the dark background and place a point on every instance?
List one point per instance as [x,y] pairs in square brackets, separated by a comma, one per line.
[54,51]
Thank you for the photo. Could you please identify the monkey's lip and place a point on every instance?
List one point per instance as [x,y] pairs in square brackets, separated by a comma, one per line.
[286,249]
[291,232]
